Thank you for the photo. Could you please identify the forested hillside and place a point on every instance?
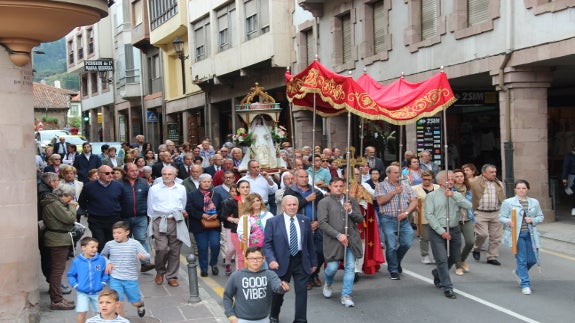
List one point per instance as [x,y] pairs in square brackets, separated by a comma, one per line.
[51,65]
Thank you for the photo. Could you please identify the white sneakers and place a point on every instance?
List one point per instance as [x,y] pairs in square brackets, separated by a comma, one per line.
[327,291]
[347,302]
[426,260]
[526,291]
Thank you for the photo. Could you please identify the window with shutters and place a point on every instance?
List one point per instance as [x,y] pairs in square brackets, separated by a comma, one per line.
[257,15]
[225,19]
[477,11]
[251,12]
[346,38]
[70,49]
[138,12]
[426,24]
[309,46]
[90,33]
[377,40]
[379,26]
[305,42]
[343,38]
[473,17]
[429,11]
[80,47]
[201,39]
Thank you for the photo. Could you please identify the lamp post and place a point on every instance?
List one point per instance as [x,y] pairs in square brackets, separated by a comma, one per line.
[179,48]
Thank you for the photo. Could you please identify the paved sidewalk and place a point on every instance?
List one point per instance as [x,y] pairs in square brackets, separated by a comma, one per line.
[163,303]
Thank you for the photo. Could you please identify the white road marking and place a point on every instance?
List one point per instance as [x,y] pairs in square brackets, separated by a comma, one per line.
[475,298]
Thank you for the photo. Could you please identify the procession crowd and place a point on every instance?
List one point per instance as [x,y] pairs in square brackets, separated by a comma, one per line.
[269,225]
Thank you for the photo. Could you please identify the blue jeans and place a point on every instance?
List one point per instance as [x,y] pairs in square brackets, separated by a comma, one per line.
[525,258]
[393,253]
[139,229]
[348,272]
[208,239]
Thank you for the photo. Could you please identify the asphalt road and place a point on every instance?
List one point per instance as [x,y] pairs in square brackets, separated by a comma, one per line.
[486,294]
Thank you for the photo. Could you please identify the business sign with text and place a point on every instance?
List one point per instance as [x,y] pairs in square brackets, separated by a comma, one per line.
[99,65]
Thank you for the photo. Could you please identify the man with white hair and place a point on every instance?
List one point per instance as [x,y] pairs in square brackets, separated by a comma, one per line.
[167,210]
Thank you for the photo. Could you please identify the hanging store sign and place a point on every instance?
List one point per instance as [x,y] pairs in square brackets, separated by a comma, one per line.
[99,65]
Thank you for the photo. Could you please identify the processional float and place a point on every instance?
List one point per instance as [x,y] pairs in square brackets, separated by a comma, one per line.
[399,103]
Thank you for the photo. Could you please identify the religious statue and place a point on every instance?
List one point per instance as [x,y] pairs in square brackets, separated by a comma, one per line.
[263,146]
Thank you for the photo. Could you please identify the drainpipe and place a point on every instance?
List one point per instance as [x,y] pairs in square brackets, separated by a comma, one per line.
[508,143]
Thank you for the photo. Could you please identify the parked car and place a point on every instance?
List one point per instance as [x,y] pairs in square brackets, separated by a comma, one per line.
[71,139]
[44,137]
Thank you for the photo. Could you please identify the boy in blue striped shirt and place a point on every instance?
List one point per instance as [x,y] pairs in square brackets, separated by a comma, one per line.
[125,254]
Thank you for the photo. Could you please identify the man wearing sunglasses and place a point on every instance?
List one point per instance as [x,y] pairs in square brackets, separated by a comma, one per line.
[101,200]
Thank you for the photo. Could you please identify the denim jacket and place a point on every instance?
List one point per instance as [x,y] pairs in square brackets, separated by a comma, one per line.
[533,211]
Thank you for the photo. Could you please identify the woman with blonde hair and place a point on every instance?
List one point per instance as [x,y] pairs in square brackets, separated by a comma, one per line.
[254,211]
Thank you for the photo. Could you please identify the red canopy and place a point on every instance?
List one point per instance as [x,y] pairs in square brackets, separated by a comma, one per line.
[334,93]
[399,103]
[407,101]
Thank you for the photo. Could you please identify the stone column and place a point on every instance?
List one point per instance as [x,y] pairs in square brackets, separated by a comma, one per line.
[523,126]
[19,264]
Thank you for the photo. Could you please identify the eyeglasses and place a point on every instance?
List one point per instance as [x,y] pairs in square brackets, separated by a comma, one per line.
[107,173]
[325,160]
[255,259]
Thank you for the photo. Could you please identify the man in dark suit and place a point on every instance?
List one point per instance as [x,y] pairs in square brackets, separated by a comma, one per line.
[86,161]
[290,256]
[165,159]
[216,165]
[372,161]
[185,168]
[60,146]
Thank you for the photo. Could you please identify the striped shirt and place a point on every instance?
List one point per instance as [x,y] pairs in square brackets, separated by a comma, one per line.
[393,207]
[100,319]
[123,255]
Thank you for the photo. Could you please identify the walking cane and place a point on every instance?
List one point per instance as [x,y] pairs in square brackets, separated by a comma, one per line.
[445,145]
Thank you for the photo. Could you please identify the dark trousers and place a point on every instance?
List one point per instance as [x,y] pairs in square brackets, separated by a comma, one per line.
[101,227]
[439,249]
[300,279]
[208,239]
[318,244]
[58,257]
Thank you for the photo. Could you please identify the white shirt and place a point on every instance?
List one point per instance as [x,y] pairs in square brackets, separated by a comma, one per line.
[261,186]
[163,200]
[287,222]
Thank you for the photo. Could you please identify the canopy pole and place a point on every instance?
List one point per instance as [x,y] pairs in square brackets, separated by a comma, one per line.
[446,168]
[349,174]
[313,120]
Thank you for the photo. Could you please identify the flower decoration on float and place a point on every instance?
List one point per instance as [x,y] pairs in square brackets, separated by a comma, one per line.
[242,138]
[279,134]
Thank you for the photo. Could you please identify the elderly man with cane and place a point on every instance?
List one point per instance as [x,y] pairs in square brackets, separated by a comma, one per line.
[441,211]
